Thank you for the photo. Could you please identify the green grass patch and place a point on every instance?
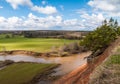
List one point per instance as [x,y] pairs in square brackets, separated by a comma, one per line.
[32,44]
[21,73]
[115,59]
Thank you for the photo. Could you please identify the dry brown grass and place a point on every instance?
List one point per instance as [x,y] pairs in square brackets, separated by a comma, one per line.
[108,72]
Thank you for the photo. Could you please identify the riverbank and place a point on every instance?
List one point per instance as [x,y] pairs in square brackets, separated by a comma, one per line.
[35,54]
[5,63]
[39,47]
[38,54]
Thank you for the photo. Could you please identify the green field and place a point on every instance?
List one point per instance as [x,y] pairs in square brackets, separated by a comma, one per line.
[31,44]
[22,73]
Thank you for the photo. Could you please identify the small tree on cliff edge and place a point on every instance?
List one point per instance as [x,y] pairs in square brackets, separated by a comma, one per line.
[102,36]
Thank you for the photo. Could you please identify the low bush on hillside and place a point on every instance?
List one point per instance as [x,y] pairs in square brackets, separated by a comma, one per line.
[72,48]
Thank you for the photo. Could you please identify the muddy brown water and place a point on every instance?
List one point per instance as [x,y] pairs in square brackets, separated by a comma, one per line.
[67,63]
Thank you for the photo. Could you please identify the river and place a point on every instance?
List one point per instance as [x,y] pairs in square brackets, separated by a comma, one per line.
[68,63]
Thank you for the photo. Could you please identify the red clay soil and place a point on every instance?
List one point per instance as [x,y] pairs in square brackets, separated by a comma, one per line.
[81,74]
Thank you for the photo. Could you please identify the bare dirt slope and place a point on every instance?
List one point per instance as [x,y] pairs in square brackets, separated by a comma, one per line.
[81,74]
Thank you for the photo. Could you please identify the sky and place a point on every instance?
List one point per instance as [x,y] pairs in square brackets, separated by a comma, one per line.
[80,15]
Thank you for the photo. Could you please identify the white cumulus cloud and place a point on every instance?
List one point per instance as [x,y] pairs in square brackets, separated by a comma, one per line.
[45,10]
[33,22]
[92,21]
[108,7]
[16,3]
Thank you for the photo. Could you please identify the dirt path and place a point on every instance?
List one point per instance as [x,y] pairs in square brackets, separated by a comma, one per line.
[82,73]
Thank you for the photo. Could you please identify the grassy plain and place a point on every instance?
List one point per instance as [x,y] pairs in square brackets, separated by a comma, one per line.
[31,44]
[22,73]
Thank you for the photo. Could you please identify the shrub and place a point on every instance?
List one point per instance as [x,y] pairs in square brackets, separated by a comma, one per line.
[7,36]
[71,48]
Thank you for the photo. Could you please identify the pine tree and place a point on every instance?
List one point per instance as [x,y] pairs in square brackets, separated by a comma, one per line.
[105,22]
[111,21]
[116,24]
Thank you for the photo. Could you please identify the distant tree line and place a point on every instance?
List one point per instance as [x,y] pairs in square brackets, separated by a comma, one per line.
[53,34]
[46,34]
[33,34]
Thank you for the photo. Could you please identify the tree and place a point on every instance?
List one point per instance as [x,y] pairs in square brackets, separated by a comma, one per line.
[118,30]
[101,38]
[7,36]
[116,24]
[111,21]
[105,22]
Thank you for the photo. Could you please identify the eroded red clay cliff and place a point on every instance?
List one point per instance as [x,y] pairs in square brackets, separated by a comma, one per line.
[81,74]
